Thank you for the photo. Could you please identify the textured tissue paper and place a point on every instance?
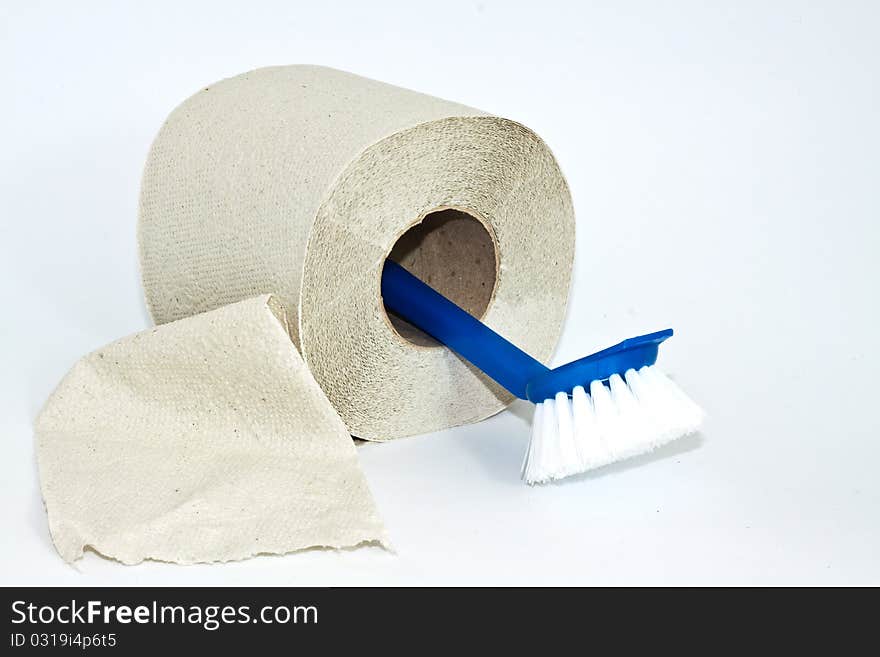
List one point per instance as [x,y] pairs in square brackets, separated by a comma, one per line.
[206,439]
[269,204]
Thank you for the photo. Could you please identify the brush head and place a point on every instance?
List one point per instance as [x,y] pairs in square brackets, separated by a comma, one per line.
[631,354]
[613,416]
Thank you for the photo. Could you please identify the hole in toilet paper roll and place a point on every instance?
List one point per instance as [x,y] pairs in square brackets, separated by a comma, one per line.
[456,254]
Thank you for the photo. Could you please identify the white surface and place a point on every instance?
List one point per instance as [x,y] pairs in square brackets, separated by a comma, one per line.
[724,167]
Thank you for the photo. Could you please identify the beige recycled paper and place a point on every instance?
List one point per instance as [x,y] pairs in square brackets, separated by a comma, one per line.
[298,182]
[205,439]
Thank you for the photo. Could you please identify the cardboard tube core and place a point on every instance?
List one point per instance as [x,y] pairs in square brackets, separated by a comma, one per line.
[455,253]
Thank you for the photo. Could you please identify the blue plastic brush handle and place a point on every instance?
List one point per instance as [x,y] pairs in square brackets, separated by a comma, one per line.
[427,309]
[421,305]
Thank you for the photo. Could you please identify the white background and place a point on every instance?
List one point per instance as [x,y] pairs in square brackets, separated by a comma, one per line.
[725,172]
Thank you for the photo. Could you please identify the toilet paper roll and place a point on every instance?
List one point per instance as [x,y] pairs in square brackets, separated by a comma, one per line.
[299,181]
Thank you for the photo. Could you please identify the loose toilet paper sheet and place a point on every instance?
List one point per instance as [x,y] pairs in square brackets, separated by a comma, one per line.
[206,439]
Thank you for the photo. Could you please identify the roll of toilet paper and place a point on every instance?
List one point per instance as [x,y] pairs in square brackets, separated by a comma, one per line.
[299,181]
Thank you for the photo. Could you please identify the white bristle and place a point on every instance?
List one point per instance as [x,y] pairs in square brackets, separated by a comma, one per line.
[587,436]
[549,454]
[606,416]
[568,451]
[633,414]
[534,441]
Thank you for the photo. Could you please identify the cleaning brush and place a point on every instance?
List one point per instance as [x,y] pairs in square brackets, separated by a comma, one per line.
[611,405]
